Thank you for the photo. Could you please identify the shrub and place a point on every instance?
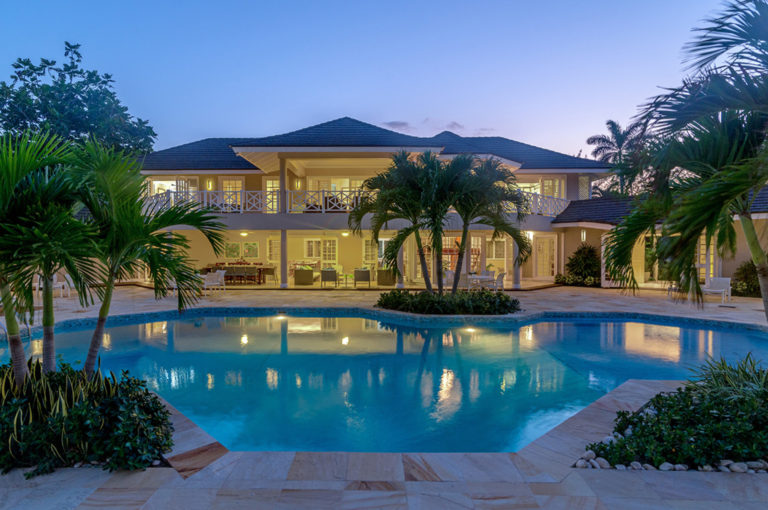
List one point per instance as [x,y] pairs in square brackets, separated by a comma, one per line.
[584,262]
[473,302]
[721,413]
[65,417]
[745,282]
[560,279]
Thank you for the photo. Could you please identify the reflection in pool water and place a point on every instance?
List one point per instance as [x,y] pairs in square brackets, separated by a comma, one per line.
[352,384]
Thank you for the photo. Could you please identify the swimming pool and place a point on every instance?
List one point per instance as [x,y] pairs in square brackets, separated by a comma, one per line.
[283,382]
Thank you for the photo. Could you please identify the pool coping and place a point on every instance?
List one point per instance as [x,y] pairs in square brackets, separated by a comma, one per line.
[401,318]
[548,459]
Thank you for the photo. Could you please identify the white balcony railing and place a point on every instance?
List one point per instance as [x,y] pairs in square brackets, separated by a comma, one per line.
[224,201]
[323,201]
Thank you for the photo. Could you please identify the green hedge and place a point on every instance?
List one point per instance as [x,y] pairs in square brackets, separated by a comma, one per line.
[66,417]
[472,302]
[722,413]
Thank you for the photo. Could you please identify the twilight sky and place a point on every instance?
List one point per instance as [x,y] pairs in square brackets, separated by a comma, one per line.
[543,72]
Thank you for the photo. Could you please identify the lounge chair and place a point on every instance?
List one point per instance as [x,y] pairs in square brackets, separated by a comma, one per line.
[362,275]
[720,286]
[329,275]
[385,277]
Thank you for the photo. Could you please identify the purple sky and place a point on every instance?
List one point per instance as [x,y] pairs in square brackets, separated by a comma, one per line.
[547,73]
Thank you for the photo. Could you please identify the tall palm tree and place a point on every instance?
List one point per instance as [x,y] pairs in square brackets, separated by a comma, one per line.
[729,60]
[44,239]
[725,165]
[20,156]
[134,234]
[617,147]
[393,196]
[485,195]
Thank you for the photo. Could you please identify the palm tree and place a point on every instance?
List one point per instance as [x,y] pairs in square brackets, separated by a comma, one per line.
[133,234]
[725,167]
[729,60]
[485,195]
[395,195]
[45,238]
[20,156]
[618,147]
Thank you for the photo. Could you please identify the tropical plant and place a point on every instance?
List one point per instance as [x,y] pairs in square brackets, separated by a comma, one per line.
[618,148]
[465,302]
[19,157]
[485,194]
[396,194]
[135,233]
[712,126]
[584,262]
[44,239]
[745,280]
[71,102]
[62,418]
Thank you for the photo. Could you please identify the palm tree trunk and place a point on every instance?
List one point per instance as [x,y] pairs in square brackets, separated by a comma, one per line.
[460,258]
[98,333]
[18,357]
[49,347]
[423,260]
[759,257]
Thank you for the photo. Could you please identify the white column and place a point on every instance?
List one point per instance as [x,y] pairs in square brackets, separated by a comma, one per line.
[283,186]
[400,283]
[516,270]
[483,254]
[283,259]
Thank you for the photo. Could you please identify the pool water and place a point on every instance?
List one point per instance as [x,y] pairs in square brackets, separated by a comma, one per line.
[352,384]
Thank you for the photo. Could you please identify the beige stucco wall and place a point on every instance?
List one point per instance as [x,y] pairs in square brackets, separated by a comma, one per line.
[572,239]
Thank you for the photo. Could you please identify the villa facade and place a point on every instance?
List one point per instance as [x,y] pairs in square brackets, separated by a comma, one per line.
[285,200]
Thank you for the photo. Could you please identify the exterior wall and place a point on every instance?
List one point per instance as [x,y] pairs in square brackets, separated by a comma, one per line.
[572,239]
[730,264]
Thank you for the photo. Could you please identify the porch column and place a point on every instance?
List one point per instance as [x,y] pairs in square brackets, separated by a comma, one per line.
[400,283]
[516,270]
[483,254]
[560,253]
[283,186]
[283,259]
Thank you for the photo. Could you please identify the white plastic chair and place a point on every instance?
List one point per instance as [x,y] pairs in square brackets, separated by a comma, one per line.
[498,283]
[720,286]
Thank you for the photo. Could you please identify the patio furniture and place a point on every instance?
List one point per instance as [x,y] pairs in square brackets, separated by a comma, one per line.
[448,278]
[385,277]
[214,281]
[303,277]
[238,273]
[498,283]
[329,275]
[252,274]
[362,275]
[268,272]
[720,286]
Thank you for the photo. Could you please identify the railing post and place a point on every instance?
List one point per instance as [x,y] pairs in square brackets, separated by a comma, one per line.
[322,200]
[242,201]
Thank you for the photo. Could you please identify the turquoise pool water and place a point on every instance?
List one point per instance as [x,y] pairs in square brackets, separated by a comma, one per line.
[352,384]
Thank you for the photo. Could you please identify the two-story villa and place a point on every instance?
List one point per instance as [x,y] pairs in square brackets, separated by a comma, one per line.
[285,199]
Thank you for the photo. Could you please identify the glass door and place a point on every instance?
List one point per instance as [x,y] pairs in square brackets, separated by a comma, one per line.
[231,190]
[545,256]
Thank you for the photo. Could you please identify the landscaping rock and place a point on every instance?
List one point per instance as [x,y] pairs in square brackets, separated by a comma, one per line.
[155,463]
[666,466]
[707,468]
[589,455]
[649,467]
[582,464]
[750,470]
[636,466]
[725,462]
[681,467]
[78,464]
[757,464]
[604,464]
[620,467]
[594,464]
[724,469]
[738,467]
[608,440]
[762,471]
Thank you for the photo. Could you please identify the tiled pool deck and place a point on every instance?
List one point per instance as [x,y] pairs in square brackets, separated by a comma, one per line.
[207,475]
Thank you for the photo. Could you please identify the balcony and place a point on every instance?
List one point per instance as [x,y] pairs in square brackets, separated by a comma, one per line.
[321,202]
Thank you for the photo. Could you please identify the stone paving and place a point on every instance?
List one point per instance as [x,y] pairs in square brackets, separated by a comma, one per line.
[207,475]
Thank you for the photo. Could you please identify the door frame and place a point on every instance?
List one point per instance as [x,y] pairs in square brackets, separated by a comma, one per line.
[535,271]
